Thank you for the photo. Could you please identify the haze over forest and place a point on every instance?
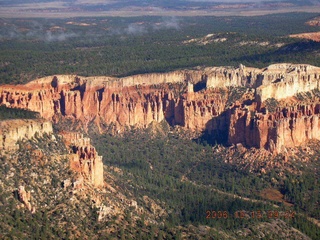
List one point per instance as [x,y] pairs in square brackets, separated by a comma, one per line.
[159,119]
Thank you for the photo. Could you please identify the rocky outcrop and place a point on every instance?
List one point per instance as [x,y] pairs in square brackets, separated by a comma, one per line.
[314,36]
[25,198]
[280,81]
[107,100]
[276,81]
[314,22]
[194,99]
[287,127]
[11,131]
[83,157]
[229,76]
[202,110]
[135,99]
[84,160]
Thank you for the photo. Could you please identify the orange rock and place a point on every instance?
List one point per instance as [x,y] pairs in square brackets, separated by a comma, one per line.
[84,159]
[189,98]
[273,131]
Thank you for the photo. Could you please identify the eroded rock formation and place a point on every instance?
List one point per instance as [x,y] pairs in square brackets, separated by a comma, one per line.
[11,131]
[287,127]
[193,99]
[83,157]
[84,160]
[25,198]
[285,80]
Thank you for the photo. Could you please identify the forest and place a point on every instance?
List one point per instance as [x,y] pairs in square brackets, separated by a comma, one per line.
[12,113]
[189,178]
[32,48]
[192,178]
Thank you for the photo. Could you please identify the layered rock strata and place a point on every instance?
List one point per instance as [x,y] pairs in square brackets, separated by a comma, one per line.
[286,80]
[125,101]
[83,157]
[84,160]
[287,127]
[194,99]
[11,131]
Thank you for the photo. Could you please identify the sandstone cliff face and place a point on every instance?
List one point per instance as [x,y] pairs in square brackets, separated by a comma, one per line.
[285,80]
[201,111]
[225,77]
[11,131]
[276,81]
[84,160]
[287,127]
[104,99]
[194,99]
[121,101]
[83,157]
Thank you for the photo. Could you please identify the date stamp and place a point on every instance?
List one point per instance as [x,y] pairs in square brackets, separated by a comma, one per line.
[217,214]
[258,214]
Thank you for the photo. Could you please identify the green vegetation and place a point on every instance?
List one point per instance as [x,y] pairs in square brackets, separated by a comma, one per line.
[235,94]
[185,178]
[14,113]
[124,46]
[190,179]
[272,104]
[307,96]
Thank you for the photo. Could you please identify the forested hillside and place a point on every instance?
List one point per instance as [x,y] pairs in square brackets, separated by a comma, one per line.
[198,187]
[32,48]
[161,180]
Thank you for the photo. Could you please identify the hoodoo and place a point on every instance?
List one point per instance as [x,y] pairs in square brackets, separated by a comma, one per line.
[199,100]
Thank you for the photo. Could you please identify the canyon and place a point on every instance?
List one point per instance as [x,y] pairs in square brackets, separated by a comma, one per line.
[51,166]
[200,100]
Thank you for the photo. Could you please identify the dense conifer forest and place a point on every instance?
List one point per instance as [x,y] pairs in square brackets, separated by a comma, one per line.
[32,48]
[192,178]
[188,178]
[12,113]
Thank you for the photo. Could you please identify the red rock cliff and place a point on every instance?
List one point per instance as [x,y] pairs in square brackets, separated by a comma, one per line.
[287,127]
[109,101]
[84,159]
[194,99]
